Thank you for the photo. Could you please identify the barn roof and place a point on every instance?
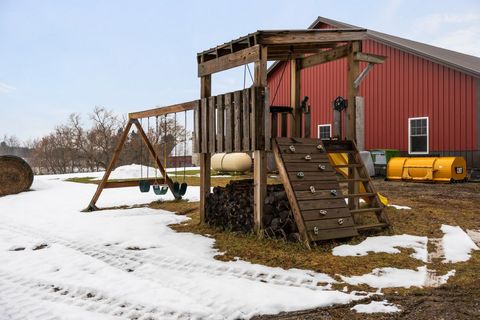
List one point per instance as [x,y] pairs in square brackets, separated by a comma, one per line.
[456,60]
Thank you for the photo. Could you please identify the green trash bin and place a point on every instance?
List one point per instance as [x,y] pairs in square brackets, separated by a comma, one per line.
[380,159]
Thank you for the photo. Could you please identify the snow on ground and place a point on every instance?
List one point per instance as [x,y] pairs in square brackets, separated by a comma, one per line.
[376,307]
[396,278]
[457,245]
[399,207]
[388,244]
[60,262]
[133,171]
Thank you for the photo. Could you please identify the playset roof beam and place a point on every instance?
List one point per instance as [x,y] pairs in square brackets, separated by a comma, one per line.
[325,56]
[281,44]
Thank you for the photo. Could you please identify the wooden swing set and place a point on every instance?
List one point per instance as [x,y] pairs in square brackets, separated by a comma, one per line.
[244,121]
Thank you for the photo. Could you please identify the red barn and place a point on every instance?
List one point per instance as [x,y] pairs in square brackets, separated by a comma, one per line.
[423,100]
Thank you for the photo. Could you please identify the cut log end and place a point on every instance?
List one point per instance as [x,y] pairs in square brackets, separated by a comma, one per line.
[15,175]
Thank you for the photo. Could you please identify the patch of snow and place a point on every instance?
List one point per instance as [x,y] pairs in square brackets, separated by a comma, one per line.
[134,171]
[395,278]
[457,245]
[376,307]
[399,207]
[133,258]
[387,244]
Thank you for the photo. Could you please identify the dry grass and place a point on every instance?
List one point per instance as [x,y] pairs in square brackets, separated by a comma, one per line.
[425,219]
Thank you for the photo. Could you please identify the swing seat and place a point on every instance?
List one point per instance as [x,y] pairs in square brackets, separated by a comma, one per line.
[159,190]
[183,189]
[144,185]
[176,188]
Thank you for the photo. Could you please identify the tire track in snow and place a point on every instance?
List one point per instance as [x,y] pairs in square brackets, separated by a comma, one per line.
[130,261]
[20,296]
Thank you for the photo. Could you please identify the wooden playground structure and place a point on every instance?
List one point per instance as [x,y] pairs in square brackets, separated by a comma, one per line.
[244,121]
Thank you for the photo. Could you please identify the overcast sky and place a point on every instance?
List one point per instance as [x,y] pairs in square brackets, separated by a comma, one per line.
[59,57]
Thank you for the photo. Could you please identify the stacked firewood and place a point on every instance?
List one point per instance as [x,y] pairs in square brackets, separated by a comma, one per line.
[231,208]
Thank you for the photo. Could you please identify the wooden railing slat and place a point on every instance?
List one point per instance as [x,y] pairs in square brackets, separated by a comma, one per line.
[220,124]
[246,119]
[237,106]
[211,125]
[204,125]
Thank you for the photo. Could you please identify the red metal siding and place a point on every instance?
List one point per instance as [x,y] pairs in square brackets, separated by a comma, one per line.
[404,86]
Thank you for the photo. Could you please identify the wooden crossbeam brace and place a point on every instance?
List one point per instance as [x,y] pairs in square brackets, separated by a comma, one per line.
[369,57]
[323,57]
[229,61]
[362,75]
[294,37]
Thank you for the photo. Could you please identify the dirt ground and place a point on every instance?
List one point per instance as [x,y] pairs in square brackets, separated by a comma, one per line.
[432,205]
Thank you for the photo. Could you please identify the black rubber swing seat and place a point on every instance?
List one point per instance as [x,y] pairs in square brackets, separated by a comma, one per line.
[158,190]
[183,189]
[176,188]
[144,185]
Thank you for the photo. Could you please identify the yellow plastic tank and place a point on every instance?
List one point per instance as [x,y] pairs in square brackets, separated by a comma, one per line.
[427,169]
[231,162]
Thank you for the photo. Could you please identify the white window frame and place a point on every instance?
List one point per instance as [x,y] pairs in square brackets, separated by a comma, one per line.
[329,125]
[409,135]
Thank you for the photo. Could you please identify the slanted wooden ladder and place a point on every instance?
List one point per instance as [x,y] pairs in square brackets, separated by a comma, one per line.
[313,188]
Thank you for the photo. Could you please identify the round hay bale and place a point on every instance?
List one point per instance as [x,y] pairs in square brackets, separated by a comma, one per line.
[15,175]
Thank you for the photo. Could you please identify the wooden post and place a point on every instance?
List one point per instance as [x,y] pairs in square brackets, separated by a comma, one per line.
[259,158]
[296,117]
[353,69]
[116,153]
[204,158]
[360,122]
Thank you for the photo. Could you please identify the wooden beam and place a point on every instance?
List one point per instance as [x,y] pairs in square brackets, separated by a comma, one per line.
[204,158]
[111,164]
[229,61]
[363,74]
[369,57]
[296,116]
[132,183]
[353,70]
[323,57]
[259,154]
[293,37]
[160,111]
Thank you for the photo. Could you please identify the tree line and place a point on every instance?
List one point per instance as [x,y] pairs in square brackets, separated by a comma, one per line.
[73,147]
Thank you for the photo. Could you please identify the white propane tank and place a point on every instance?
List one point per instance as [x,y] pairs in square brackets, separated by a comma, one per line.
[231,162]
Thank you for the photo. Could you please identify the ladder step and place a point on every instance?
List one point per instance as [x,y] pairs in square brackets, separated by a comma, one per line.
[366,210]
[357,195]
[352,180]
[371,226]
[355,165]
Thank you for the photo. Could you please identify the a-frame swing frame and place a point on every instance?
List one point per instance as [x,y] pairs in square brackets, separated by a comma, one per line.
[133,120]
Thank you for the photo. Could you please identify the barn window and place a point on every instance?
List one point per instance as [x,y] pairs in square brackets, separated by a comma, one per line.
[325,131]
[418,135]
